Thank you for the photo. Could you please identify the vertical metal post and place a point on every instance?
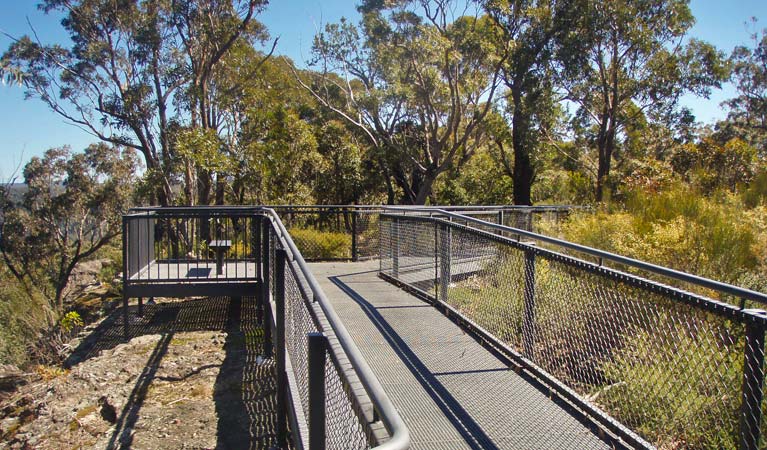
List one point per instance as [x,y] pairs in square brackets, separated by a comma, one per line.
[528,318]
[126,266]
[395,247]
[500,217]
[354,235]
[446,258]
[265,288]
[316,367]
[279,300]
[436,261]
[141,306]
[175,236]
[256,233]
[753,378]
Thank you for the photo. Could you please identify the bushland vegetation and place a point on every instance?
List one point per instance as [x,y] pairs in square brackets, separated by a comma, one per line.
[425,102]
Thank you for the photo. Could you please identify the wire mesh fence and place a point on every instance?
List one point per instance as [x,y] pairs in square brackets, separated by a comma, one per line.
[345,424]
[654,364]
[326,233]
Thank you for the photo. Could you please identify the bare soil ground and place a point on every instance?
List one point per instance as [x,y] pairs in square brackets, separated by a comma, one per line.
[190,377]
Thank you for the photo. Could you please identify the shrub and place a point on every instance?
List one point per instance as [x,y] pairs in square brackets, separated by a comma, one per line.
[318,245]
[679,229]
[23,315]
[681,391]
[71,321]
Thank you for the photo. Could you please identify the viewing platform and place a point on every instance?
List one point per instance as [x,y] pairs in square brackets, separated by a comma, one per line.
[451,329]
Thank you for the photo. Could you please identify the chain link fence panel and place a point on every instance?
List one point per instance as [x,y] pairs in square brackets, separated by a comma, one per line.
[345,424]
[678,369]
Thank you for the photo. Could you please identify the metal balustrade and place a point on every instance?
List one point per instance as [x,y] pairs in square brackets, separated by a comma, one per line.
[350,232]
[652,364]
[327,396]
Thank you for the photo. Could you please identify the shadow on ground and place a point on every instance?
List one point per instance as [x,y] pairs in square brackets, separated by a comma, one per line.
[245,388]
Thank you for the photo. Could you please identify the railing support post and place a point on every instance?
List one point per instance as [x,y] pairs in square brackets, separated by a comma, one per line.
[126,268]
[395,247]
[528,318]
[445,274]
[256,233]
[279,300]
[354,236]
[126,318]
[753,379]
[265,288]
[316,364]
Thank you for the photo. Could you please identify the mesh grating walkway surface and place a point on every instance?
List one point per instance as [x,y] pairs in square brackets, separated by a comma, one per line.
[451,392]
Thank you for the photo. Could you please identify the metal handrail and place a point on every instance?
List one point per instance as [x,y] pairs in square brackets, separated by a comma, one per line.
[719,286]
[399,436]
[536,208]
[398,432]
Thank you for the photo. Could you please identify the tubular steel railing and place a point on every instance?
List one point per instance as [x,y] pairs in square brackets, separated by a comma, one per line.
[327,396]
[331,386]
[178,245]
[350,232]
[651,364]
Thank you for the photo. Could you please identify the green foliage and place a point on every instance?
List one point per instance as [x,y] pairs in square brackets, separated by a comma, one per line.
[137,71]
[668,391]
[72,208]
[756,193]
[23,313]
[202,147]
[416,81]
[563,187]
[71,321]
[678,229]
[711,165]
[316,244]
[748,110]
[616,73]
[481,182]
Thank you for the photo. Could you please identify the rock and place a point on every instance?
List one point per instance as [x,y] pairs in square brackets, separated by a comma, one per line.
[108,412]
[11,377]
[84,276]
[8,427]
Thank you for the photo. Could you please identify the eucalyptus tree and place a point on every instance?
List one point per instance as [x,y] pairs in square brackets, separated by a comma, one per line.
[416,79]
[136,70]
[72,207]
[532,29]
[748,110]
[630,58]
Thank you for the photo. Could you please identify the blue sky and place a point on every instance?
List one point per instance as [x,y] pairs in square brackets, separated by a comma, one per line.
[28,128]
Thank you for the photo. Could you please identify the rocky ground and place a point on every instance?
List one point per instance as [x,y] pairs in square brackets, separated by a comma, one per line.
[189,377]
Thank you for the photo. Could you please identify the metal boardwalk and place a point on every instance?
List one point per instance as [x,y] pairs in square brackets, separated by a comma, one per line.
[451,392]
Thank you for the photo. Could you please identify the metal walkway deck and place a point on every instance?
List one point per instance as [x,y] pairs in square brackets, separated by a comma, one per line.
[452,392]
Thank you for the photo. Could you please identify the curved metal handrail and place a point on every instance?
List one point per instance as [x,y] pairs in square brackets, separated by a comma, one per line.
[719,286]
[398,432]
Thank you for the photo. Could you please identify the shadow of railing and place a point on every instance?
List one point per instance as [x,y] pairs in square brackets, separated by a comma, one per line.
[472,433]
[245,388]
[203,314]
